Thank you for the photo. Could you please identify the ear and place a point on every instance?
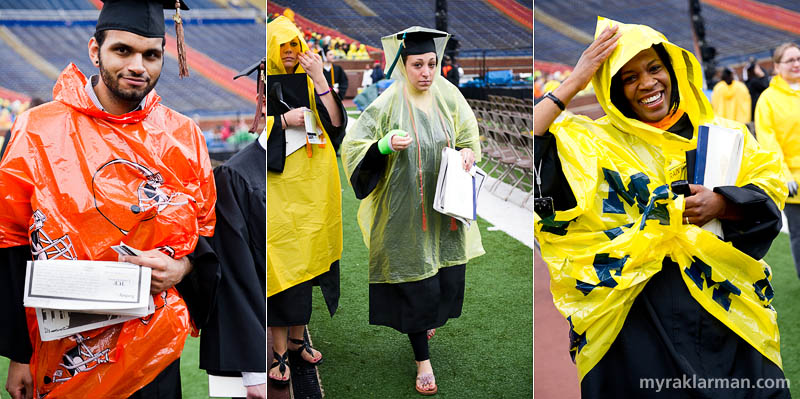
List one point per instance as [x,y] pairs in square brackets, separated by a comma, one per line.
[94,51]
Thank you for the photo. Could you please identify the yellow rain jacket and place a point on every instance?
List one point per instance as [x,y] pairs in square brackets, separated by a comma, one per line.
[304,203]
[407,239]
[600,260]
[778,127]
[731,101]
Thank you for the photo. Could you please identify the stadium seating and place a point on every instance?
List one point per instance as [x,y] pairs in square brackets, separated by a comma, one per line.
[555,47]
[19,76]
[46,4]
[214,39]
[192,95]
[735,38]
[792,5]
[476,26]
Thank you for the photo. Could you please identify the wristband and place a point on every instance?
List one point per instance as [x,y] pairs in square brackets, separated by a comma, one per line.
[284,120]
[326,92]
[555,99]
[385,143]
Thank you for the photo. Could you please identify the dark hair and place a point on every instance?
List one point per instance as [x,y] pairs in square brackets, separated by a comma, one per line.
[100,37]
[618,94]
[727,75]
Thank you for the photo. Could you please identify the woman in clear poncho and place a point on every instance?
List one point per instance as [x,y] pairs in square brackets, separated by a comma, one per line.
[649,295]
[304,221]
[391,155]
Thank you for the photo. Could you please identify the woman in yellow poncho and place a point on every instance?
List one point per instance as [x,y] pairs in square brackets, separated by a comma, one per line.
[650,296]
[417,257]
[778,129]
[304,219]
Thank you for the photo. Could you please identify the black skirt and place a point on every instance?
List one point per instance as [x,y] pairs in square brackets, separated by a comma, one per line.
[418,305]
[292,306]
[668,335]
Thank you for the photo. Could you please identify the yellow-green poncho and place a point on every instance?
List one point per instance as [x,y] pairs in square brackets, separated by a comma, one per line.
[600,260]
[391,217]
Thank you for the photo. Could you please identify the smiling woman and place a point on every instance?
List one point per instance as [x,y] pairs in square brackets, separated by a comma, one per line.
[631,270]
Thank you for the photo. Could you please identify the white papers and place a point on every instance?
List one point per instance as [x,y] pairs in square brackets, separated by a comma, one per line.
[226,387]
[295,138]
[86,285]
[56,324]
[72,296]
[719,157]
[456,189]
[312,130]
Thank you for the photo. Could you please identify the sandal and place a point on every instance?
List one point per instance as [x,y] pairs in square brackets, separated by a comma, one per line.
[423,379]
[280,362]
[304,346]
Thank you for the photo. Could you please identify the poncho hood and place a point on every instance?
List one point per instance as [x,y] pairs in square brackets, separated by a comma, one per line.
[782,85]
[282,30]
[69,90]
[634,39]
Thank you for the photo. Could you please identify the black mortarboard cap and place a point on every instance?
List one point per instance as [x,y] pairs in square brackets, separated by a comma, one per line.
[142,17]
[419,42]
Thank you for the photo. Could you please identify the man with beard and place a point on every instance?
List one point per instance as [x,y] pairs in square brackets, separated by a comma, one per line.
[106,163]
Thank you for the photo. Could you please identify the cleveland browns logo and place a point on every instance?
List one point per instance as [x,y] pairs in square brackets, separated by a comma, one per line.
[43,247]
[127,193]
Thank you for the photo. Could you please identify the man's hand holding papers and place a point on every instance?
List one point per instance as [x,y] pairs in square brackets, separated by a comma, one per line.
[166,271]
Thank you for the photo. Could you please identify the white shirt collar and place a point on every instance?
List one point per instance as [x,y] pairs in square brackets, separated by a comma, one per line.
[262,139]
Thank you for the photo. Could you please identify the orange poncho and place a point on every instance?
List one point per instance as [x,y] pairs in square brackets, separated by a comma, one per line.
[76,180]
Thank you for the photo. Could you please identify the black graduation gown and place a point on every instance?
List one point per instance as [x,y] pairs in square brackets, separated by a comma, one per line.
[667,334]
[233,339]
[413,306]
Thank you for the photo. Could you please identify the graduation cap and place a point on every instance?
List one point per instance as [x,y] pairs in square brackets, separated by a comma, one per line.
[418,42]
[412,43]
[261,68]
[144,18]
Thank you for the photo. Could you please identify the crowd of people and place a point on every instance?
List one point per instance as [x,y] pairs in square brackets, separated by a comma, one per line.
[322,44]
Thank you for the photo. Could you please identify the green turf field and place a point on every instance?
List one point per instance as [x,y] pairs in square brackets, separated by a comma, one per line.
[787,290]
[486,353]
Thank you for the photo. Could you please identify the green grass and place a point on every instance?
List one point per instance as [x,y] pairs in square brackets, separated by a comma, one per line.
[194,382]
[486,353]
[787,290]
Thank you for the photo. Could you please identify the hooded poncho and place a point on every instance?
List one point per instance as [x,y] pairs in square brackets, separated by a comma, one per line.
[76,180]
[304,228]
[777,127]
[603,251]
[731,101]
[407,239]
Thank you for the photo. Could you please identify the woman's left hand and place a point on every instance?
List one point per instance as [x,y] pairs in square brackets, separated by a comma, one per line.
[312,64]
[703,205]
[468,158]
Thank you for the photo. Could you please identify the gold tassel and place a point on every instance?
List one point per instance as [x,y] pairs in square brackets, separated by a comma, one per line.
[183,67]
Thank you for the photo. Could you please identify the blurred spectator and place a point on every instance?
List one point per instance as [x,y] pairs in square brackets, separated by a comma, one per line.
[455,73]
[377,72]
[757,81]
[730,98]
[447,65]
[335,75]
